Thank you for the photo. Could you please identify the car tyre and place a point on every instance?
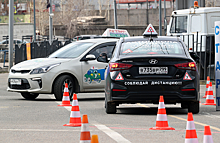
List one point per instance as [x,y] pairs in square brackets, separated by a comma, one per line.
[194,107]
[29,96]
[110,108]
[59,86]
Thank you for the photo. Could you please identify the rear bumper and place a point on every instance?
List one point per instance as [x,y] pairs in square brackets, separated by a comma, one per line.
[146,94]
[153,97]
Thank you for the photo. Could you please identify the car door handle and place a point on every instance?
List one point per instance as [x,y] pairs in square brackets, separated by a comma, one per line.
[106,67]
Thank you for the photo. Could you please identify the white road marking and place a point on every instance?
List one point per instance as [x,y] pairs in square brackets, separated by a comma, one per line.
[210,115]
[114,135]
[38,130]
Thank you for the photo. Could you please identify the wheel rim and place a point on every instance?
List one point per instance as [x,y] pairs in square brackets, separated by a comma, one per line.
[70,87]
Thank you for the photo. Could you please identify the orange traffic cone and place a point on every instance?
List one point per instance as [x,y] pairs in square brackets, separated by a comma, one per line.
[85,133]
[75,118]
[210,98]
[94,139]
[207,135]
[161,121]
[191,136]
[207,86]
[66,97]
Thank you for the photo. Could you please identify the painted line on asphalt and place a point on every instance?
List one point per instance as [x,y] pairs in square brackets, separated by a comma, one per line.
[186,120]
[38,130]
[217,129]
[112,134]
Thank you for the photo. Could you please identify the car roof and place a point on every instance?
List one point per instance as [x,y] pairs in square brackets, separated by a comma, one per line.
[159,38]
[99,40]
[90,35]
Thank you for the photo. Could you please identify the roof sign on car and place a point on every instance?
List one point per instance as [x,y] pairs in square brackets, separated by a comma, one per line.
[150,31]
[115,33]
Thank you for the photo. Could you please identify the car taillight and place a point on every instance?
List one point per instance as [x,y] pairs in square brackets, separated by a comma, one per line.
[119,66]
[190,89]
[118,90]
[186,66]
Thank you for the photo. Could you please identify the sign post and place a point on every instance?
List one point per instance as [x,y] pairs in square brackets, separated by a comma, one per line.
[217,64]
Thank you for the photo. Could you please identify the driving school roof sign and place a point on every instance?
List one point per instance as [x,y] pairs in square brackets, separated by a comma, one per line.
[115,33]
[150,31]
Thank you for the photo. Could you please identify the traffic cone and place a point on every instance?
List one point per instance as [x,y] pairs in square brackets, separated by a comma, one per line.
[207,86]
[161,121]
[85,133]
[94,139]
[66,97]
[191,136]
[209,98]
[75,118]
[207,135]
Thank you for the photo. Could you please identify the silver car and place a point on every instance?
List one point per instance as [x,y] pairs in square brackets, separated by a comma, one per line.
[75,64]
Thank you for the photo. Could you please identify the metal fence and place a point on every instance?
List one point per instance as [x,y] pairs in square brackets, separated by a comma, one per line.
[203,46]
[38,49]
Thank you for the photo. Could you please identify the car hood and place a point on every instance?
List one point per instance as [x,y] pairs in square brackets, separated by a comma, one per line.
[36,63]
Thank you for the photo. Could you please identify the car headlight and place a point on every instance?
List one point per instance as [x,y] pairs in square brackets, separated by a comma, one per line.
[43,69]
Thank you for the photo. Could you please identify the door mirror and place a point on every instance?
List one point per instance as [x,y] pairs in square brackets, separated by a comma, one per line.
[90,57]
[195,56]
[103,58]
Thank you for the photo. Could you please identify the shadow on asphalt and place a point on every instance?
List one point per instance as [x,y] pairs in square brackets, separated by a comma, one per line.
[149,111]
[38,99]
[91,99]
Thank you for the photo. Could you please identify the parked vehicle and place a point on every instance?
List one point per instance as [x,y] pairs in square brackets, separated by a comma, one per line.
[195,26]
[143,68]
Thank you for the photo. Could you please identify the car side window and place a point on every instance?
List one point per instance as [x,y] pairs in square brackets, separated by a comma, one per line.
[105,49]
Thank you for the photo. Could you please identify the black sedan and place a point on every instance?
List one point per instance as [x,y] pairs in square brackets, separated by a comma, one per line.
[143,68]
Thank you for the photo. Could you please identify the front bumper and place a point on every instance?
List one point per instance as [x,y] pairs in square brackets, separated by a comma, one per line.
[36,83]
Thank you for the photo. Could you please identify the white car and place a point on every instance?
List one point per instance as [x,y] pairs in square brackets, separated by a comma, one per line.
[75,64]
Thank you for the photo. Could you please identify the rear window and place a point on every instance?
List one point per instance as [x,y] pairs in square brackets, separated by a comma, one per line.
[151,48]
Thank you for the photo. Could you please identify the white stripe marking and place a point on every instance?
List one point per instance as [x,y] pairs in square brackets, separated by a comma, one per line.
[207,139]
[75,103]
[190,125]
[85,141]
[209,97]
[161,105]
[193,140]
[114,135]
[66,98]
[66,89]
[75,114]
[85,127]
[161,117]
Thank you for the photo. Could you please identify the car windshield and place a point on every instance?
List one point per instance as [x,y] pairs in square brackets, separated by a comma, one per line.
[72,50]
[151,48]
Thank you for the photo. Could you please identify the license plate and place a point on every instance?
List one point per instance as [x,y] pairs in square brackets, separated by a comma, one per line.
[153,70]
[15,81]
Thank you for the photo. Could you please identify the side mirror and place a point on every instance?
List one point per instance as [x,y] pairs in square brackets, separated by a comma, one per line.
[195,56]
[90,57]
[103,58]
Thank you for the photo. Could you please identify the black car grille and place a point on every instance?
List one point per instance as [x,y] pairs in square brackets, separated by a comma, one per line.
[20,71]
[24,84]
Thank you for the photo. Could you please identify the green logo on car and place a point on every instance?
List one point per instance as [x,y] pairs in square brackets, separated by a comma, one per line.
[92,75]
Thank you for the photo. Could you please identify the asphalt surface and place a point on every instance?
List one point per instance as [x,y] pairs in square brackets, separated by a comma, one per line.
[41,120]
